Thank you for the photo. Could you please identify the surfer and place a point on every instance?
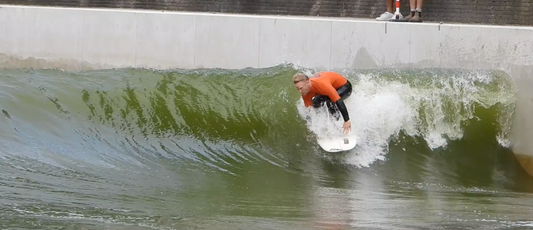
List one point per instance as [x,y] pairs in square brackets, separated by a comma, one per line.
[325,88]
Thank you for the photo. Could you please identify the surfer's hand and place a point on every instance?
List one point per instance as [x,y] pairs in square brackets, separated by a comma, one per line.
[347,127]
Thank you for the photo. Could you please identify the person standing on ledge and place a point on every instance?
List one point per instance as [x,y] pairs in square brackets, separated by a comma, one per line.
[416,11]
[389,14]
[325,88]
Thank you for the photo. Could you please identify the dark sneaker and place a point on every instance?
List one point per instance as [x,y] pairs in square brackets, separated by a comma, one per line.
[407,18]
[417,17]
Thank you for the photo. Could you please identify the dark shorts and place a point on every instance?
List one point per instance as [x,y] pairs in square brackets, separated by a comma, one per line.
[344,92]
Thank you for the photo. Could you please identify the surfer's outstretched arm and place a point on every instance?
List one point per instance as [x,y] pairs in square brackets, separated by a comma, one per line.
[343,110]
[329,91]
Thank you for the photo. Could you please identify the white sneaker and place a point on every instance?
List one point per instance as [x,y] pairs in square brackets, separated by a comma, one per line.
[387,16]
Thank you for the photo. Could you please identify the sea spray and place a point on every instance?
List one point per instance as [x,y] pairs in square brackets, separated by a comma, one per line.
[435,105]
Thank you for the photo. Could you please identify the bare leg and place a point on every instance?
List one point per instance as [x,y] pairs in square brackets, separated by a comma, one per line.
[390,6]
[419,4]
[412,4]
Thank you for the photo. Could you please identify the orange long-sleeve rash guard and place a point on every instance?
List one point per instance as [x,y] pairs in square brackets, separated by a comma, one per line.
[324,83]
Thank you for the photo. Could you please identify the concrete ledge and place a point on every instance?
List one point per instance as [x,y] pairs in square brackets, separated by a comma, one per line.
[106,38]
[78,39]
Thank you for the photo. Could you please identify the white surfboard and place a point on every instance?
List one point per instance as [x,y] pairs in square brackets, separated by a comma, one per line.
[338,144]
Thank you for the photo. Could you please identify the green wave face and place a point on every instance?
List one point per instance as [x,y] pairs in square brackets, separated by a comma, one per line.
[199,114]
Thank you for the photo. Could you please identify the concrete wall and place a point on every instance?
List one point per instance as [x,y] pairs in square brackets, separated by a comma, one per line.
[76,39]
[514,12]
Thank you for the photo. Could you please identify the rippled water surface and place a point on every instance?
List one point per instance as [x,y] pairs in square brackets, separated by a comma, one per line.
[220,149]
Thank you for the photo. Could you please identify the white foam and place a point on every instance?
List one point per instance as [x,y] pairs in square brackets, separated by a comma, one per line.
[378,113]
[380,109]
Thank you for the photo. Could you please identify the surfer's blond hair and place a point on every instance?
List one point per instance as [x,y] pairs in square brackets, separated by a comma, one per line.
[299,77]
